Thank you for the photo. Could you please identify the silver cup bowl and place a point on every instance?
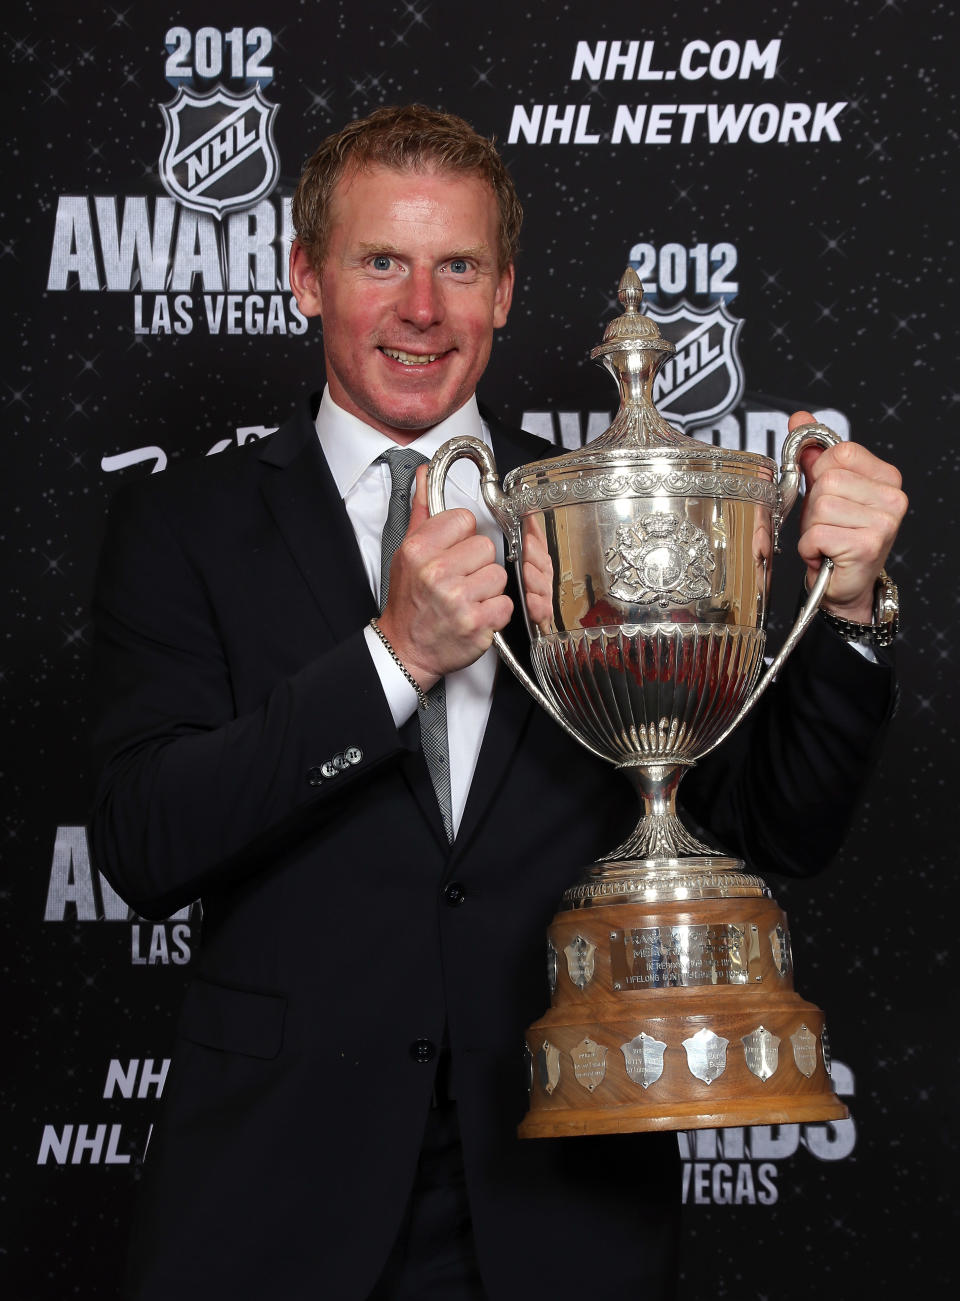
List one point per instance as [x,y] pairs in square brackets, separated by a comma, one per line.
[644,561]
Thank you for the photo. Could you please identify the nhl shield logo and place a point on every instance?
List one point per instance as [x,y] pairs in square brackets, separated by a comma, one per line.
[219,154]
[704,380]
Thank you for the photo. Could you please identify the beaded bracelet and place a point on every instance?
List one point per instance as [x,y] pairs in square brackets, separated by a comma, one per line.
[421,697]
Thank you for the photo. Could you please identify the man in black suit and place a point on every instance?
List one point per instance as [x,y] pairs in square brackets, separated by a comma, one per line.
[340,1119]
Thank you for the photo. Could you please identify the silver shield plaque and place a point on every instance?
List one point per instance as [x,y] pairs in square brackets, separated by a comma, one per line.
[825,1049]
[589,1063]
[580,954]
[706,1055]
[643,1058]
[761,1050]
[804,1050]
[780,948]
[548,1065]
[553,960]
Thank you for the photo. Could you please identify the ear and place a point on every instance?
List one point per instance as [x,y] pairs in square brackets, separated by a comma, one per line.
[304,281]
[503,297]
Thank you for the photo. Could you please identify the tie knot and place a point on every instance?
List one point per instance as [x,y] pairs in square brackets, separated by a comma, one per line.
[402,463]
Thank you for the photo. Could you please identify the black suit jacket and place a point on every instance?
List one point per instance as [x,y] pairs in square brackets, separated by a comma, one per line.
[230,611]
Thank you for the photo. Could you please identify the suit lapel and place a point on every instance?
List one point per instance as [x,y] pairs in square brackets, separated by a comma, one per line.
[302,497]
[512,705]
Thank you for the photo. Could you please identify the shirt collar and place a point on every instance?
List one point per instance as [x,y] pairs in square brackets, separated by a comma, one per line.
[351,446]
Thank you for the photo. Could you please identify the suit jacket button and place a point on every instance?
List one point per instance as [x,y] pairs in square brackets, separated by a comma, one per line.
[454,894]
[353,754]
[423,1051]
[314,777]
[329,769]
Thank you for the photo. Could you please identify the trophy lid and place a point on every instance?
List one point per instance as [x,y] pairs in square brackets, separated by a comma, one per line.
[633,350]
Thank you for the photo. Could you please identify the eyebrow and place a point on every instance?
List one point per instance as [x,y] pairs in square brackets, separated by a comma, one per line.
[477,251]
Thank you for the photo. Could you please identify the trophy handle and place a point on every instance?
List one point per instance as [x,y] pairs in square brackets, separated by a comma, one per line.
[789,482]
[498,503]
[794,444]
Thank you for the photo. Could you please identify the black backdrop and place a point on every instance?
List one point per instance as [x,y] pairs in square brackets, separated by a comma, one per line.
[792,161]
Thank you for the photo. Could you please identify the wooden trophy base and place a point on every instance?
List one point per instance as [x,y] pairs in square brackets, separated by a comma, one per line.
[675,1015]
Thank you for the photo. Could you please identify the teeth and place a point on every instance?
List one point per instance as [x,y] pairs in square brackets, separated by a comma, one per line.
[411,358]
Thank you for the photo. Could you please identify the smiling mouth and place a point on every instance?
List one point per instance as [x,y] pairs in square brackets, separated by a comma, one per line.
[411,358]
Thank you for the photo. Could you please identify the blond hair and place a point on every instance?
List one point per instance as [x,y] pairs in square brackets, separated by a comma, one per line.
[408,138]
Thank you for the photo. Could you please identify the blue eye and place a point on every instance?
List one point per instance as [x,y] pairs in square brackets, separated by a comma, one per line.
[382,262]
[458,266]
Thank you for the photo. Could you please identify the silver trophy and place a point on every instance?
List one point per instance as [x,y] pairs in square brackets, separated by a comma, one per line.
[644,562]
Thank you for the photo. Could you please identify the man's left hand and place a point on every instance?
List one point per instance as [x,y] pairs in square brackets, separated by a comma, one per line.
[852,510]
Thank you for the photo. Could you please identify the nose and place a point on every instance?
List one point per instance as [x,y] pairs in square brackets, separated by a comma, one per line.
[421,300]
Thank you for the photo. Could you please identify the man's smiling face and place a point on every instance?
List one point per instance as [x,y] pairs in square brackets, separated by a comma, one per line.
[409,293]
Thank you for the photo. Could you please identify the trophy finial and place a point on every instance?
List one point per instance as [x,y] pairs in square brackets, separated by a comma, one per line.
[630,292]
[632,329]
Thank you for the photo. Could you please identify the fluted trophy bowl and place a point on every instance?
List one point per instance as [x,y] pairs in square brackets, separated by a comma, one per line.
[644,562]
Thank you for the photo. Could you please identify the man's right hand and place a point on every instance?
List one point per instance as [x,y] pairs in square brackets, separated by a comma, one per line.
[446,592]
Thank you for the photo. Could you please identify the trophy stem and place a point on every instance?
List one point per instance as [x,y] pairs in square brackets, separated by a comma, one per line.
[659,838]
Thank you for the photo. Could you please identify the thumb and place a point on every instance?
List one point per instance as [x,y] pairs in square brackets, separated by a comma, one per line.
[810,455]
[418,507]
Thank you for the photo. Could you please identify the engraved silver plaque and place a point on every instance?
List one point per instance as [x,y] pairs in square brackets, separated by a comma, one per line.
[553,960]
[643,1058]
[706,1055]
[589,1063]
[664,957]
[804,1050]
[780,948]
[825,1049]
[548,1062]
[580,954]
[761,1050]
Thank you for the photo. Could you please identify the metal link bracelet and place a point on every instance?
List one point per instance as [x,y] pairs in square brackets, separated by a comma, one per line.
[886,617]
[421,695]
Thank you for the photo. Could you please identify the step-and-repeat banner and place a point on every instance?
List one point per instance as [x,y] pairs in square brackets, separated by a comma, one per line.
[781,176]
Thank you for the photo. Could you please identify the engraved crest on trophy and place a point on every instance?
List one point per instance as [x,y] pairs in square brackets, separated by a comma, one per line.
[645,561]
[663,558]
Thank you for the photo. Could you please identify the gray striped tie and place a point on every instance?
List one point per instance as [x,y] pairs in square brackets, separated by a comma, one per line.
[403,463]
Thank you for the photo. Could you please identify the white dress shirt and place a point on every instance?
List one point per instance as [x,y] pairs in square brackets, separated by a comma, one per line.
[352,448]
